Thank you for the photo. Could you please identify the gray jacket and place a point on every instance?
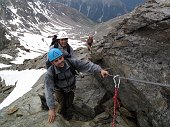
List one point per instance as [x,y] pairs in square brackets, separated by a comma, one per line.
[65,79]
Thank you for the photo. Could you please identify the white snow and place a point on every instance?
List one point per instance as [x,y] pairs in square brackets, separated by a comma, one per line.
[8,37]
[23,80]
[6,56]
[4,65]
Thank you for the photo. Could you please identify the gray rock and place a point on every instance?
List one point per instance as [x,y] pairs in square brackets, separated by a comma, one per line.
[141,53]
[39,119]
[88,98]
[4,90]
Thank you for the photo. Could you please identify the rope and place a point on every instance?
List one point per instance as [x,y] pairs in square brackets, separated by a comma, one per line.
[116,102]
[115,99]
[116,90]
[142,81]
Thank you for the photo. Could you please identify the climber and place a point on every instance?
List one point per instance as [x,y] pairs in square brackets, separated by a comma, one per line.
[62,44]
[89,42]
[60,82]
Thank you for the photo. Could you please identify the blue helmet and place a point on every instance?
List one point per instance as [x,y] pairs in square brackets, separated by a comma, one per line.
[54,53]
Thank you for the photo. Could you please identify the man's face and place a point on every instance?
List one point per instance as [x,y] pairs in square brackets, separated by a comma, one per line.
[59,62]
[63,42]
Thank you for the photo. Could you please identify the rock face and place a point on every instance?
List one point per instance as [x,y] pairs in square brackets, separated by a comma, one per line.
[4,90]
[3,41]
[139,48]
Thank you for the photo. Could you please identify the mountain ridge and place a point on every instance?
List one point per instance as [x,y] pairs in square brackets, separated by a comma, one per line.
[41,19]
[101,10]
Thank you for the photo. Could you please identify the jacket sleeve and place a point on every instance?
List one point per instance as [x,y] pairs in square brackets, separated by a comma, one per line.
[86,66]
[49,90]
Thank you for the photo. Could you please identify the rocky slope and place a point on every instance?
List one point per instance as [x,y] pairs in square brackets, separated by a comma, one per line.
[3,41]
[5,90]
[137,47]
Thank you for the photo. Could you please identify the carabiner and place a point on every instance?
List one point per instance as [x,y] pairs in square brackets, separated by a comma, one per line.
[114,79]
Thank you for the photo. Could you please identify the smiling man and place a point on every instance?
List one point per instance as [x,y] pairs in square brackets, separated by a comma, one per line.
[60,82]
[61,42]
[63,45]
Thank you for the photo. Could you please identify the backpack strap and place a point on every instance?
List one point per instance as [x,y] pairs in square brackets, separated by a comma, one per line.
[68,48]
[56,45]
[55,76]
[73,69]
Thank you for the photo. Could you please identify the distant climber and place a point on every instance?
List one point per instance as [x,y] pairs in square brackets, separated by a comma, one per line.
[89,42]
[60,82]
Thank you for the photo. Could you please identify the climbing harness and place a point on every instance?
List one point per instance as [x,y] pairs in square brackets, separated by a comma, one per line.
[115,98]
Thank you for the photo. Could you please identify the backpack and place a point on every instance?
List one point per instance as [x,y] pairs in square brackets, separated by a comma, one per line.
[54,40]
[48,63]
[73,70]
